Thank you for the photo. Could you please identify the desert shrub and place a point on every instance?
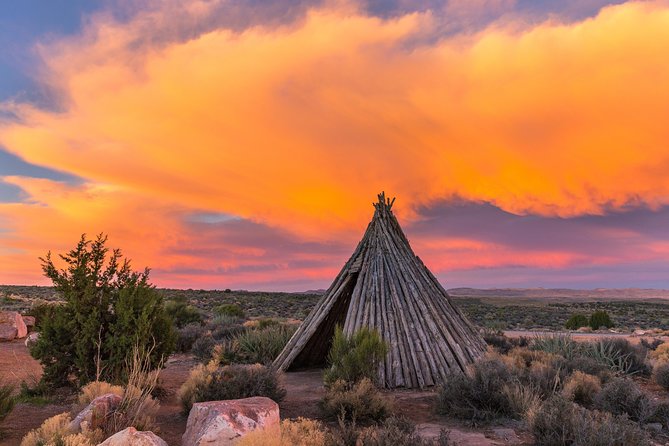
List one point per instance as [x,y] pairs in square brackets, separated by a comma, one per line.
[187,336]
[661,353]
[559,344]
[545,377]
[232,382]
[225,327]
[559,422]
[623,396]
[356,357]
[203,348]
[137,407]
[233,310]
[7,400]
[576,321]
[479,395]
[298,432]
[590,366]
[661,374]
[199,377]
[619,355]
[502,343]
[521,398]
[599,319]
[394,431]
[360,401]
[182,313]
[651,345]
[108,309]
[263,345]
[581,388]
[95,389]
[55,431]
[267,322]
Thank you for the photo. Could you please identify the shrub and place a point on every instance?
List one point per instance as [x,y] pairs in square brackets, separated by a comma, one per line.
[590,366]
[41,312]
[561,423]
[108,309]
[354,358]
[559,344]
[624,396]
[600,319]
[225,327]
[502,343]
[576,321]
[263,345]
[199,377]
[7,400]
[619,355]
[187,336]
[233,310]
[299,432]
[56,431]
[95,389]
[661,374]
[232,382]
[394,431]
[581,388]
[661,353]
[181,313]
[203,348]
[360,401]
[479,395]
[652,345]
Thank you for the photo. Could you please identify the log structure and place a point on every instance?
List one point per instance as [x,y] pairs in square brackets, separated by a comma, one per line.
[385,286]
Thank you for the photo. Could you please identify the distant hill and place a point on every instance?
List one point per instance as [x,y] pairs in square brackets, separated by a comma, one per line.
[562,294]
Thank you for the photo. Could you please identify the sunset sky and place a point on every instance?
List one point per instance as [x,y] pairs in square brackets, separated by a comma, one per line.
[240,143]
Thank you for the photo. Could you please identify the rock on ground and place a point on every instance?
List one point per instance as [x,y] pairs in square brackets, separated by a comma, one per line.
[31,339]
[133,437]
[12,326]
[222,423]
[29,321]
[93,415]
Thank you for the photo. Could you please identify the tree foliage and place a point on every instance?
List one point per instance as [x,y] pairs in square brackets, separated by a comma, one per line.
[109,310]
[356,357]
[576,321]
[600,319]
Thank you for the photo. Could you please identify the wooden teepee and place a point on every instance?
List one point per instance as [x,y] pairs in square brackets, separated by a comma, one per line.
[385,286]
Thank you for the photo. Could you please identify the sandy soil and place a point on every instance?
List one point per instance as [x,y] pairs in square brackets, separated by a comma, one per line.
[304,390]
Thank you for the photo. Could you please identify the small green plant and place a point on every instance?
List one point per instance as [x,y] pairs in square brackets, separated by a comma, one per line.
[599,319]
[230,383]
[7,400]
[354,358]
[233,310]
[559,344]
[576,321]
[182,313]
[361,401]
[618,355]
[263,345]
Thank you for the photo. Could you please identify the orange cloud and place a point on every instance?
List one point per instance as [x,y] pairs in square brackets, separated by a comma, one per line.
[298,126]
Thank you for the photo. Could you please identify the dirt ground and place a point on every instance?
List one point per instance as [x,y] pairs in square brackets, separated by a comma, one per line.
[304,390]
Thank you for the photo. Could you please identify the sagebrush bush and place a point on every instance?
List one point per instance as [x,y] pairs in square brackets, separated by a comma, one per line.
[199,377]
[203,347]
[394,431]
[107,309]
[356,357]
[55,431]
[7,400]
[623,396]
[479,395]
[590,366]
[262,346]
[581,388]
[651,345]
[233,310]
[182,313]
[225,327]
[360,401]
[661,374]
[230,383]
[501,343]
[298,432]
[95,389]
[661,353]
[186,337]
[619,355]
[559,422]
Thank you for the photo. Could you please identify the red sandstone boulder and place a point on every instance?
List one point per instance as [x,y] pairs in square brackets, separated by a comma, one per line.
[222,423]
[95,413]
[12,326]
[133,437]
[29,321]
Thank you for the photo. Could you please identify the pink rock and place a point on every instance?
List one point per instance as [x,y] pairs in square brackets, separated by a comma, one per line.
[92,416]
[29,321]
[31,339]
[222,423]
[12,326]
[132,437]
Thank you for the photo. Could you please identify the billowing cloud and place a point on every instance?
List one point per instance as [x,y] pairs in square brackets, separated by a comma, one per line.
[294,124]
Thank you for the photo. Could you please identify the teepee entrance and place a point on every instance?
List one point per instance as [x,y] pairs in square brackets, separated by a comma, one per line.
[385,286]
